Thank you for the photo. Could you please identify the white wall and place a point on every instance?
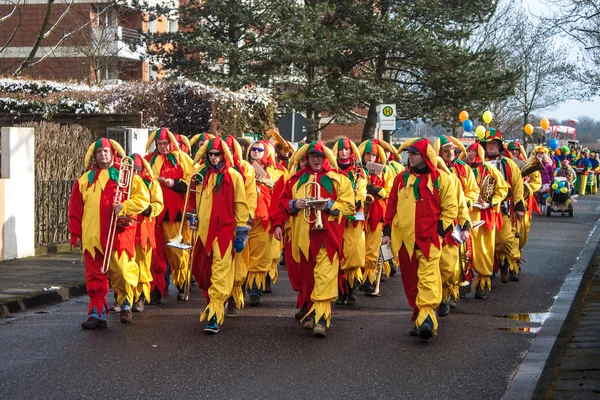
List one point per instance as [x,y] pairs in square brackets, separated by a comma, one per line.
[17,146]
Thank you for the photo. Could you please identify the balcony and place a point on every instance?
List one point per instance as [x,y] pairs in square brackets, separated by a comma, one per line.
[116,41]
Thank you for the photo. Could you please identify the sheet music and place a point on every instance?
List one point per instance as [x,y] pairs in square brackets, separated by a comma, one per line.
[260,172]
[456,234]
[374,168]
[386,252]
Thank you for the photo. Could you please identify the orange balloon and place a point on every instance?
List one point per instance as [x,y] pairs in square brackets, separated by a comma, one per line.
[528,129]
[463,116]
[544,123]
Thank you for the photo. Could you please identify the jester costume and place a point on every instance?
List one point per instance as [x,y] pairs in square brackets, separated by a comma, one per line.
[223,218]
[174,165]
[145,243]
[90,212]
[583,166]
[353,258]
[422,208]
[261,244]
[378,188]
[533,183]
[483,239]
[318,252]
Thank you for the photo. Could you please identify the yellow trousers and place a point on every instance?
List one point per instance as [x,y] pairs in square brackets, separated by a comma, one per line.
[221,283]
[507,245]
[276,248]
[450,272]
[143,259]
[582,184]
[240,266]
[178,259]
[372,246]
[124,274]
[484,243]
[261,259]
[525,228]
[323,279]
[354,253]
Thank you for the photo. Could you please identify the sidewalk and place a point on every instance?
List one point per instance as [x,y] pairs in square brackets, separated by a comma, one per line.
[40,280]
[573,368]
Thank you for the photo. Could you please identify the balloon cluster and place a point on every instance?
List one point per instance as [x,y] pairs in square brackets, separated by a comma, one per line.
[560,187]
[468,124]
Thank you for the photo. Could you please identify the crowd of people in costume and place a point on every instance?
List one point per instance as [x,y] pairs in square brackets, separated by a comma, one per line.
[453,218]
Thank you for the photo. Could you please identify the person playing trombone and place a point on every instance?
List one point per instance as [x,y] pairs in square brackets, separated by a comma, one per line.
[103,202]
[222,228]
[315,199]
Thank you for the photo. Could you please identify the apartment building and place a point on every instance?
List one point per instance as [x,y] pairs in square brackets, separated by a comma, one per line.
[85,40]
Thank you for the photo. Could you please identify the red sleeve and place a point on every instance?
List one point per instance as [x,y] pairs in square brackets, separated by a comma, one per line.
[392,202]
[75,213]
[275,213]
[286,197]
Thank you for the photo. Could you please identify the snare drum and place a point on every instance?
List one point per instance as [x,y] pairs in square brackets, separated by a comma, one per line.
[590,178]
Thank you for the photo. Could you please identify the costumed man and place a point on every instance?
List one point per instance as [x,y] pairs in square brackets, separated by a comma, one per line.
[96,209]
[518,153]
[493,188]
[379,183]
[241,260]
[595,169]
[532,183]
[197,141]
[513,207]
[222,228]
[421,209]
[583,166]
[261,156]
[317,229]
[184,143]
[171,167]
[467,194]
[353,245]
[145,243]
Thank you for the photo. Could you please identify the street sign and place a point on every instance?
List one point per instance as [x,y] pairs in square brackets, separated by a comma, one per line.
[386,117]
[294,121]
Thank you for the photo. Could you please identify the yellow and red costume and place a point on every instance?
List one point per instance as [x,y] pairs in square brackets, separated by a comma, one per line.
[145,242]
[421,209]
[260,241]
[483,239]
[353,258]
[90,210]
[174,165]
[317,252]
[197,141]
[241,260]
[533,182]
[222,211]
[375,212]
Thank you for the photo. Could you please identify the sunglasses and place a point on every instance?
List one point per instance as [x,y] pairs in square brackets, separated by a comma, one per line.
[257,149]
[214,154]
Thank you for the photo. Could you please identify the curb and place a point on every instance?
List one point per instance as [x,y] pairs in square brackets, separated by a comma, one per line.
[42,298]
[52,249]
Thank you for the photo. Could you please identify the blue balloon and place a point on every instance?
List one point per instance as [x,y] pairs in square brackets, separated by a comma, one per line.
[468,125]
[562,184]
[557,191]
[545,195]
[553,143]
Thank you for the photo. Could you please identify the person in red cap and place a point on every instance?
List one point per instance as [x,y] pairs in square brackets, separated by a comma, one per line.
[145,242]
[421,209]
[512,207]
[317,230]
[487,209]
[222,229]
[261,155]
[92,205]
[171,168]
[353,260]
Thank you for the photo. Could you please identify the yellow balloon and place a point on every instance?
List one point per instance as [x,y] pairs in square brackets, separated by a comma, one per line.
[463,116]
[563,190]
[544,123]
[528,129]
[487,117]
[480,131]
[554,186]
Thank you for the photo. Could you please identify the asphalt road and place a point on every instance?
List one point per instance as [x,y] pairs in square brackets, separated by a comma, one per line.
[266,354]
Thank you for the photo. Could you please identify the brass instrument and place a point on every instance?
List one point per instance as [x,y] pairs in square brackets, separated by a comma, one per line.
[486,192]
[464,256]
[532,166]
[121,195]
[178,242]
[285,146]
[311,197]
[378,272]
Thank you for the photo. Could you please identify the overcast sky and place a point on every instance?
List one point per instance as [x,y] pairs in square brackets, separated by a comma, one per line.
[570,109]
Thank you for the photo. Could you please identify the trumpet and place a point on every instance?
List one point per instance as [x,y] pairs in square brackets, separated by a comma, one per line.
[310,199]
[122,194]
[378,272]
[178,242]
[369,199]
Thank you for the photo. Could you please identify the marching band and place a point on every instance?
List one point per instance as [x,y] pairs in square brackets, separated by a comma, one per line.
[206,211]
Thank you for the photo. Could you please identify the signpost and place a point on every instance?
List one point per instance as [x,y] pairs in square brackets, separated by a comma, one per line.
[386,118]
[293,127]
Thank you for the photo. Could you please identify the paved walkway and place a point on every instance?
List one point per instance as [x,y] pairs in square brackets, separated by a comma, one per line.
[36,281]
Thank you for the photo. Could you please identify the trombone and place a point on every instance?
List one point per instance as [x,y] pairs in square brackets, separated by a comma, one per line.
[178,242]
[311,201]
[121,195]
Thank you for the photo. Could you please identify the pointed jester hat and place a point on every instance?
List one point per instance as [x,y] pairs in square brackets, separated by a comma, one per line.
[319,148]
[345,143]
[515,145]
[214,144]
[162,134]
[388,147]
[139,161]
[115,147]
[201,137]
[445,141]
[268,157]
[424,147]
[234,147]
[476,147]
[371,146]
[183,142]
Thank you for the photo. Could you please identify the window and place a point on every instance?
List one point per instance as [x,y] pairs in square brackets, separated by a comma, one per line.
[152,26]
[171,25]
